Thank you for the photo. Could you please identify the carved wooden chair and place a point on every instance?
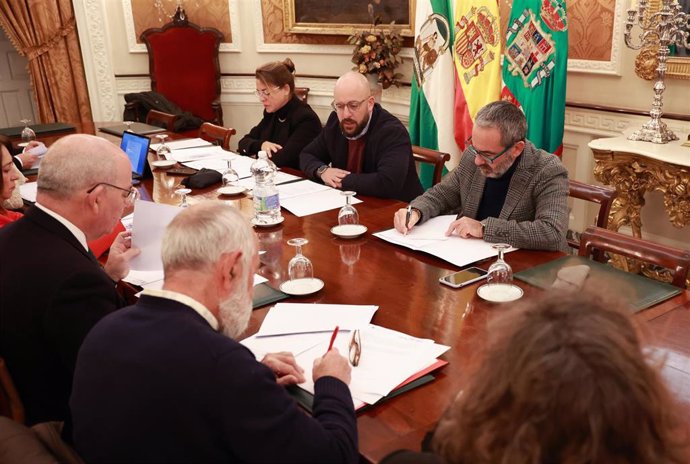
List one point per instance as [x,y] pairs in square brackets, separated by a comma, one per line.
[595,241]
[161,119]
[604,196]
[436,158]
[217,134]
[184,66]
[302,93]
[10,403]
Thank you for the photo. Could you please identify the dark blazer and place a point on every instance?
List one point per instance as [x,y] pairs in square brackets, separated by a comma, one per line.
[51,293]
[293,127]
[155,383]
[388,169]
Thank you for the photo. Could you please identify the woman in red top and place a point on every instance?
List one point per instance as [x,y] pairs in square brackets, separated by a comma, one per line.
[7,181]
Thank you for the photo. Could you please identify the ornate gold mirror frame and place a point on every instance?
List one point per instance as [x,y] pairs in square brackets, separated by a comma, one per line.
[646,62]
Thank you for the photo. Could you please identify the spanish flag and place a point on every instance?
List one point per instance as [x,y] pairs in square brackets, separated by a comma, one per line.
[433,86]
[477,53]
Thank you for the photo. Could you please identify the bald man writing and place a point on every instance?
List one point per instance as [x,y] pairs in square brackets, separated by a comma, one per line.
[362,147]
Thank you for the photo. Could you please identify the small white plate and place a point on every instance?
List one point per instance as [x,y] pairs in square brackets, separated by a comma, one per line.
[231,190]
[267,224]
[163,164]
[299,287]
[500,293]
[349,230]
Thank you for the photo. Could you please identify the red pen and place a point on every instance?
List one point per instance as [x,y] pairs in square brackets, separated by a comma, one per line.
[335,334]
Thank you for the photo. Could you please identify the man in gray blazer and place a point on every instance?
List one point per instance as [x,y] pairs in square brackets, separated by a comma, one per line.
[504,189]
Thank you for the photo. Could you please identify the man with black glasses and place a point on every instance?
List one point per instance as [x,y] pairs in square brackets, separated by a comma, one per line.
[504,190]
[52,288]
[362,147]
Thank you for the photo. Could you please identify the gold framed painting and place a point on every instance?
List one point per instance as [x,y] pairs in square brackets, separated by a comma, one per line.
[343,17]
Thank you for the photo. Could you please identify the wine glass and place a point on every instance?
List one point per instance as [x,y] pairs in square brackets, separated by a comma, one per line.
[183,193]
[500,272]
[163,150]
[348,214]
[129,125]
[299,267]
[28,133]
[230,177]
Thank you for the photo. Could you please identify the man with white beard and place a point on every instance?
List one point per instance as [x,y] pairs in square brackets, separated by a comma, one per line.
[166,381]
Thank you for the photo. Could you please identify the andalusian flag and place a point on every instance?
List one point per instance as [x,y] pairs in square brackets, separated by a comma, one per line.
[535,66]
[431,105]
[477,53]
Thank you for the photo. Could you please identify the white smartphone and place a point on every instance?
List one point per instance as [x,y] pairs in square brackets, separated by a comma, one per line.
[464,277]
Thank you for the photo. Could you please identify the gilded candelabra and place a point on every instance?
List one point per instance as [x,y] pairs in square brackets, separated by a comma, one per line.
[667,26]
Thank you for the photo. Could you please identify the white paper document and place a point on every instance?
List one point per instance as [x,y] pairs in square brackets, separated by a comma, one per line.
[292,318]
[150,221]
[181,144]
[28,191]
[430,238]
[279,178]
[199,153]
[306,197]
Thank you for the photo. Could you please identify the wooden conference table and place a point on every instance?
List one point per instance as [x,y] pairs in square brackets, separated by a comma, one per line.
[404,284]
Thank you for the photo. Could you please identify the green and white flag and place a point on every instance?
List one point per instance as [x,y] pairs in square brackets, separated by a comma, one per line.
[535,67]
[433,86]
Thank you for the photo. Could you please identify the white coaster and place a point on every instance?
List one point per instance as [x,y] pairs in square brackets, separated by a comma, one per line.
[231,190]
[258,223]
[349,230]
[299,287]
[500,293]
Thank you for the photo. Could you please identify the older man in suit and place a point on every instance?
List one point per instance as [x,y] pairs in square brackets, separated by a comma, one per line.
[166,381]
[52,289]
[504,190]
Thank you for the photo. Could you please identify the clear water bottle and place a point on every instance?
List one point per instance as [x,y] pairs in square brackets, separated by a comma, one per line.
[266,201]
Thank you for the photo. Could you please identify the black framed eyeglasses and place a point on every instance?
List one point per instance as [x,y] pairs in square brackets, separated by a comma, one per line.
[351,105]
[132,193]
[487,156]
[355,348]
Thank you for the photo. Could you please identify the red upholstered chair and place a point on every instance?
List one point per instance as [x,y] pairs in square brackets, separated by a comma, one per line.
[184,67]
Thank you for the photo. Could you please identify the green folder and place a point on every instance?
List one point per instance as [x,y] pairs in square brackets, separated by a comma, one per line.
[264,294]
[639,291]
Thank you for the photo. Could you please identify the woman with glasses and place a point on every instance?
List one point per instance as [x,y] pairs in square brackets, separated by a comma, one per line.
[8,180]
[288,124]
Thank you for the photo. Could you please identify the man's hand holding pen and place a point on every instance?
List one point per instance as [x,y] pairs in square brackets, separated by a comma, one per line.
[405,219]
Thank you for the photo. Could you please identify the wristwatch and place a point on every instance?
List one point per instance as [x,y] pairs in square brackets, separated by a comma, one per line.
[321,170]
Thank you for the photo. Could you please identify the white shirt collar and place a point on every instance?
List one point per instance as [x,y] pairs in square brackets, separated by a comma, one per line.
[185,300]
[76,231]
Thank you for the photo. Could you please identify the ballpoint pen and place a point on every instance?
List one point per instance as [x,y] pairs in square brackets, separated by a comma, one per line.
[407,217]
[335,334]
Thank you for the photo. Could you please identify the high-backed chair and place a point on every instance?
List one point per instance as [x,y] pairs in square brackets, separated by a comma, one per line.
[10,404]
[595,241]
[302,93]
[604,196]
[184,66]
[436,158]
[218,134]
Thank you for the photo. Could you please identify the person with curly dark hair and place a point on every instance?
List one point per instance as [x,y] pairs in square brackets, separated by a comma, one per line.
[565,379]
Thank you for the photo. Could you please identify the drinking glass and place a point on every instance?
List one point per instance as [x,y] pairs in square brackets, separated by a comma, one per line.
[129,125]
[230,177]
[348,214]
[500,272]
[299,267]
[183,193]
[28,133]
[163,150]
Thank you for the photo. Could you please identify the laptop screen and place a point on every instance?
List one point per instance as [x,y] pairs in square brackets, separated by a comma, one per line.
[136,146]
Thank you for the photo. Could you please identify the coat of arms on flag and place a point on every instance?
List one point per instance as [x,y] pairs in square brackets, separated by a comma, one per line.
[474,32]
[431,42]
[529,50]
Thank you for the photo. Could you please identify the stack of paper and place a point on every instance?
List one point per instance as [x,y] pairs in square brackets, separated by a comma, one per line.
[388,358]
[182,143]
[199,153]
[306,197]
[431,238]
